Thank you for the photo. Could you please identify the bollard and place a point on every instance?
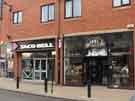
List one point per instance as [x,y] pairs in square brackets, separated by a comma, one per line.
[89,88]
[52,88]
[52,82]
[89,81]
[46,85]
[17,82]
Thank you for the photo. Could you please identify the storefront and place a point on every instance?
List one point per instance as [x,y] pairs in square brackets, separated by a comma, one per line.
[37,59]
[107,57]
[6,61]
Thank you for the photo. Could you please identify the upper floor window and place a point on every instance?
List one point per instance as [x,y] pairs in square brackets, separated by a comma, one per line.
[17,17]
[47,13]
[118,3]
[72,8]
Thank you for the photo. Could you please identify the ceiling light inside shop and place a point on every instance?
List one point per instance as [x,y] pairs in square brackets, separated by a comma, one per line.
[26,55]
[9,50]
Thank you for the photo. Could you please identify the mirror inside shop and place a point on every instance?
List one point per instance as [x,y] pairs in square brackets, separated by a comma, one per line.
[38,66]
[104,59]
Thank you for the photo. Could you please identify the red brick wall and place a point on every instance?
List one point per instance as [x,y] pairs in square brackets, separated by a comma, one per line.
[99,15]
[31,26]
[96,15]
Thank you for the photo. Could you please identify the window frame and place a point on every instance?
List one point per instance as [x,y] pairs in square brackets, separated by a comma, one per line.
[72,10]
[13,20]
[121,4]
[41,7]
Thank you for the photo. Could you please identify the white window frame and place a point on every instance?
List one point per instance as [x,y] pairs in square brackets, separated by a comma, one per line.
[17,17]
[71,12]
[49,14]
[121,3]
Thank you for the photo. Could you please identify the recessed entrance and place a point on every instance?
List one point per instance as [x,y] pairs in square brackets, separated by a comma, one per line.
[38,66]
[98,70]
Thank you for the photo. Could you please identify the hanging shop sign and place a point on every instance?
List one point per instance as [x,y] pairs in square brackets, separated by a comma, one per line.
[97,52]
[35,45]
[95,42]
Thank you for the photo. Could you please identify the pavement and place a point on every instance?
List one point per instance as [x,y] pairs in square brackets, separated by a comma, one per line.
[99,93]
[13,96]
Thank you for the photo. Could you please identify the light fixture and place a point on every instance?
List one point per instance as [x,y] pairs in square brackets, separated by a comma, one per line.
[53,52]
[1,42]
[26,55]
[130,26]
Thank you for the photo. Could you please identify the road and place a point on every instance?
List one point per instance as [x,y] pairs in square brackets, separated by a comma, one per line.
[13,96]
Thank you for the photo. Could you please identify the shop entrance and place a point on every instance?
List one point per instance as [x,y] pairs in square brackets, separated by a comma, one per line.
[97,67]
[37,66]
[40,68]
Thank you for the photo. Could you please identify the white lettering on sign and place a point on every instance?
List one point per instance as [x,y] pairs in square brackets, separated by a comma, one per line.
[44,45]
[41,45]
[27,46]
[95,43]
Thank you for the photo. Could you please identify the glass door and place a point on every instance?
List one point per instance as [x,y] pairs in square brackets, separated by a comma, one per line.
[37,69]
[44,65]
[40,68]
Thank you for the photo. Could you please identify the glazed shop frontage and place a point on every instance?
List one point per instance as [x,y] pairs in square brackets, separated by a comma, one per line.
[105,59]
[37,59]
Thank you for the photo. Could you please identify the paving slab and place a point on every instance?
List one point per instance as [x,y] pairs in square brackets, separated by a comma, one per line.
[99,93]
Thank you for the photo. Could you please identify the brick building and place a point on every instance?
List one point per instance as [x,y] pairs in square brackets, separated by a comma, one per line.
[70,41]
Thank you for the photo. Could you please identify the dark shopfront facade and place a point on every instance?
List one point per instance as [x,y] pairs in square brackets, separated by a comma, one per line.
[108,58]
[37,59]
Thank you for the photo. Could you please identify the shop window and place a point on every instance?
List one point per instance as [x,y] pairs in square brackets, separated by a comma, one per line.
[47,13]
[17,17]
[72,8]
[118,3]
[120,71]
[74,71]
[27,67]
[9,61]
[73,61]
[108,56]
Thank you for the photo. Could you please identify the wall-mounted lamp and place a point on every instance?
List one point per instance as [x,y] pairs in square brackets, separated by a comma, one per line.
[2,4]
[1,42]
[10,6]
[130,26]
[8,37]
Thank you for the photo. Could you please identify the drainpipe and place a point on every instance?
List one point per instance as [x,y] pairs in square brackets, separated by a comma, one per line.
[1,22]
[60,42]
[58,38]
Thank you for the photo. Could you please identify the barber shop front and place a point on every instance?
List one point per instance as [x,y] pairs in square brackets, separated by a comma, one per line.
[105,59]
[37,59]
